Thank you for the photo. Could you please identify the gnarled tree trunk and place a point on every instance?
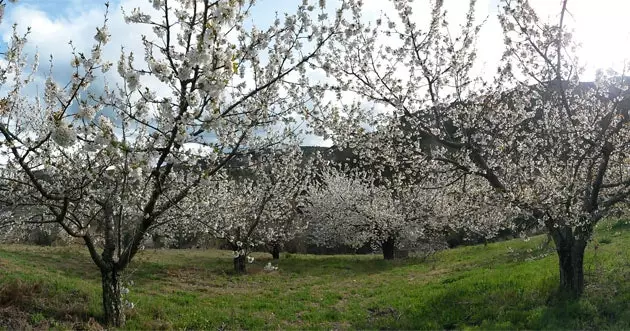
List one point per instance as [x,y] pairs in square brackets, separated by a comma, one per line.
[113,309]
[239,264]
[570,251]
[388,247]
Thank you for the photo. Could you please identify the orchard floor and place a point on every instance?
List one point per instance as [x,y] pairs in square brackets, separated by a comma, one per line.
[506,285]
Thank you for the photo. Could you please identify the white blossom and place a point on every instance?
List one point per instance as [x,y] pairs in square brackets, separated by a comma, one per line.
[63,135]
[102,35]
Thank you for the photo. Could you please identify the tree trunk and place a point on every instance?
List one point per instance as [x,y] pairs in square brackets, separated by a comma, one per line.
[113,310]
[571,257]
[275,251]
[239,264]
[388,247]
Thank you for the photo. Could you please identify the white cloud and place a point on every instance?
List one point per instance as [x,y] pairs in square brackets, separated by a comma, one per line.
[51,32]
[599,25]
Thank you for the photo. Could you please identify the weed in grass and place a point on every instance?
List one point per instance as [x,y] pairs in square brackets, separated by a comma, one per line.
[604,241]
[37,318]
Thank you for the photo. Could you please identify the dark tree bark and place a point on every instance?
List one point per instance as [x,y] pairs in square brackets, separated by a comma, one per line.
[239,264]
[388,247]
[571,257]
[275,251]
[113,309]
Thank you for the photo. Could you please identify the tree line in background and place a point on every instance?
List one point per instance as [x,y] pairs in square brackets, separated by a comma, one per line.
[202,134]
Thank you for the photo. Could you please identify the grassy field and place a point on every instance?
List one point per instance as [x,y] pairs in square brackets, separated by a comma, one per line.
[507,285]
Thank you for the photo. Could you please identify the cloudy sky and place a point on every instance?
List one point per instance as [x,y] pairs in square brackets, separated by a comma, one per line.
[599,25]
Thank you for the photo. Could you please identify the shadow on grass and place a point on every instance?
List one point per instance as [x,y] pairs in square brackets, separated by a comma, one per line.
[619,225]
[208,266]
[159,265]
[352,266]
[28,305]
[469,302]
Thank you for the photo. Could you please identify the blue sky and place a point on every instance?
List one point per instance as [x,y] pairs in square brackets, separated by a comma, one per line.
[66,9]
[600,25]
[55,22]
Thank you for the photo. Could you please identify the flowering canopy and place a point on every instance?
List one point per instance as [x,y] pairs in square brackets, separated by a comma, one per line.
[547,146]
[109,157]
[258,204]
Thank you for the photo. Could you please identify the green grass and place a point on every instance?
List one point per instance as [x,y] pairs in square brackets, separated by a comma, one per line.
[507,285]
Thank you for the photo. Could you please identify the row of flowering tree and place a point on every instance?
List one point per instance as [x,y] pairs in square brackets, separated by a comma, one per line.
[111,157]
[353,210]
[396,210]
[255,206]
[546,146]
